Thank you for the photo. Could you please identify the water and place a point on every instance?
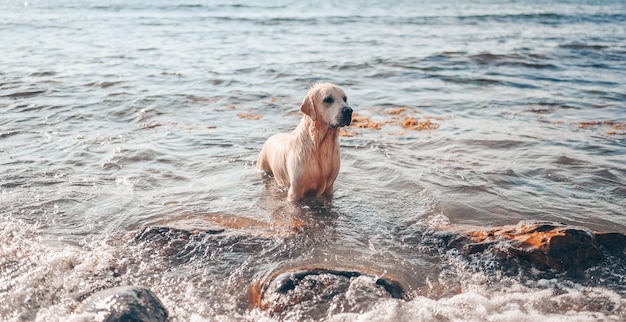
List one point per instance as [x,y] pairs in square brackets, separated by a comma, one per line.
[120,116]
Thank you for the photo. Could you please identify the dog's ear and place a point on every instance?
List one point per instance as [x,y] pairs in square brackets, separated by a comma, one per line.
[307,106]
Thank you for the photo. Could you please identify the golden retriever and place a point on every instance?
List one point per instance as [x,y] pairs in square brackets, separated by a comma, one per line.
[306,161]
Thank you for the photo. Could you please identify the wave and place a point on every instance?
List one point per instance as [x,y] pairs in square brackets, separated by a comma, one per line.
[25,93]
[542,18]
[547,18]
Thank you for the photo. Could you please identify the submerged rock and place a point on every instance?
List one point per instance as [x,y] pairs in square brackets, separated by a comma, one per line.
[317,292]
[125,303]
[313,293]
[613,242]
[547,245]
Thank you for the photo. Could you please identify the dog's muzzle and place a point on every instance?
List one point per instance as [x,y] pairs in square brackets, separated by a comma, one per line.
[346,116]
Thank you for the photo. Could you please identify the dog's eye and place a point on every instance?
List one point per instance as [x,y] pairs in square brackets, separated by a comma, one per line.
[345,99]
[329,100]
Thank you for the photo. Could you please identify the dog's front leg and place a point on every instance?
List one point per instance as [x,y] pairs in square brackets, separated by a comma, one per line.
[291,195]
[295,192]
[328,192]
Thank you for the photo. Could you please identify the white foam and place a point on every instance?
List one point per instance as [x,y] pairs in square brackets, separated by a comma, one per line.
[40,282]
[471,306]
[43,282]
[36,275]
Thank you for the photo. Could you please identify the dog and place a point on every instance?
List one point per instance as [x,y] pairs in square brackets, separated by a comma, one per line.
[306,161]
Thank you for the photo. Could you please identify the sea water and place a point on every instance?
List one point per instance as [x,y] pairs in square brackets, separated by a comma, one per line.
[117,116]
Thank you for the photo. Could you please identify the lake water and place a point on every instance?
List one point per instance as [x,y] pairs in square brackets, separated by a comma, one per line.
[118,116]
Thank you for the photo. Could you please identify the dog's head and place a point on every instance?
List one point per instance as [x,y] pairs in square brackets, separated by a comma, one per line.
[327,103]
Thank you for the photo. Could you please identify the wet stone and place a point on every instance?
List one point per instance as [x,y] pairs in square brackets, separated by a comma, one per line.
[125,303]
[613,242]
[315,293]
[181,246]
[546,245]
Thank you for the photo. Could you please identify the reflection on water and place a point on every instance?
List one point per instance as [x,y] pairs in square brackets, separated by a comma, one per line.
[129,134]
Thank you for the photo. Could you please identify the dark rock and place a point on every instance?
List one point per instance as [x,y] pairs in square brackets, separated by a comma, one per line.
[313,293]
[317,292]
[615,242]
[125,303]
[547,245]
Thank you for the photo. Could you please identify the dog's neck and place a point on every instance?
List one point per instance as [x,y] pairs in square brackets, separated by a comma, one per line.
[320,132]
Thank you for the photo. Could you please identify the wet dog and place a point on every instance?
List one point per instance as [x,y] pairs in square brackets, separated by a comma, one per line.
[307,160]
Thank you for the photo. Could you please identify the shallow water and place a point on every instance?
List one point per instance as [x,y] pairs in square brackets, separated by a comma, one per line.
[118,117]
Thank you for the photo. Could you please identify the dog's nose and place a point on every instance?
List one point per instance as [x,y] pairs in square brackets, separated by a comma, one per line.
[346,110]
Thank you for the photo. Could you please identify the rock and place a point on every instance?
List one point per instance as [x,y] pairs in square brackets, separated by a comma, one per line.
[318,292]
[312,293]
[547,245]
[613,242]
[125,303]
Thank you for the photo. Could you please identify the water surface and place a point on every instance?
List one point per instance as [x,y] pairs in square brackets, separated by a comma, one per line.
[120,116]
